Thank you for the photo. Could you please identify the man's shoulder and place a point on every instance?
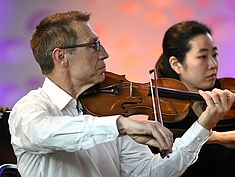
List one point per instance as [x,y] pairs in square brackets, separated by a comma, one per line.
[33,97]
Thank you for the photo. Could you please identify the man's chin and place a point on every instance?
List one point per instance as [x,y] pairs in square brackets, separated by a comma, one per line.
[100,77]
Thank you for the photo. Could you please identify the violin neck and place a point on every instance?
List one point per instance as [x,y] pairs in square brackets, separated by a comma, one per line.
[178,94]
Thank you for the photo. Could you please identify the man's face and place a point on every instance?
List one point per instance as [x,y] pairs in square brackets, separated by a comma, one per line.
[86,64]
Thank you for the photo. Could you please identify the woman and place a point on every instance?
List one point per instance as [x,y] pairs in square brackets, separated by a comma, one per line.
[191,56]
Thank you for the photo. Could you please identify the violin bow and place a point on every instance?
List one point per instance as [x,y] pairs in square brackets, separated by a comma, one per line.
[156,103]
[155,97]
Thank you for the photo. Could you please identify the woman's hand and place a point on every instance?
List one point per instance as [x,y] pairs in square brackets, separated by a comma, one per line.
[226,139]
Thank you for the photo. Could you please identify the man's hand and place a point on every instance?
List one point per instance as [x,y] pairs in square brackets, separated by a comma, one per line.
[218,103]
[146,132]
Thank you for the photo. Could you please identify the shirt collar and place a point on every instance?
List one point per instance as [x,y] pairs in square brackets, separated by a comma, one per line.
[58,96]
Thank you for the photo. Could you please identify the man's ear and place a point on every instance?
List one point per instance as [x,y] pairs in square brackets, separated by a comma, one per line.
[58,56]
[175,64]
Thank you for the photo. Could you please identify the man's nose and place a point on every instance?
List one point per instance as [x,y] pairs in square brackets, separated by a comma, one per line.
[103,54]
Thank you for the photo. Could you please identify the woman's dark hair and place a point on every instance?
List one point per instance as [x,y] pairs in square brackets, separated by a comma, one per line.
[176,43]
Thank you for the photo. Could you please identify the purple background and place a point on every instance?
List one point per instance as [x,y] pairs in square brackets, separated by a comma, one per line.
[131,31]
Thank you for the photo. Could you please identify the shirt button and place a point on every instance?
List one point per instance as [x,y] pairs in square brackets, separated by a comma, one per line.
[198,139]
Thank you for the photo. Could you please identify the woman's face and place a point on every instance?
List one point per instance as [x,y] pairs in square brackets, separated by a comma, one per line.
[200,66]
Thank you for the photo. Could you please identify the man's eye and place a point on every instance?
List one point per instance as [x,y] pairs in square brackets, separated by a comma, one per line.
[91,46]
[215,55]
[94,46]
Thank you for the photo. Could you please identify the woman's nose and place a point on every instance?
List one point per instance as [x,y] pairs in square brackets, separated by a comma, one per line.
[213,62]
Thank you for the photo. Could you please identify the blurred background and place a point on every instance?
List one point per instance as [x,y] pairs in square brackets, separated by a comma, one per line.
[130,30]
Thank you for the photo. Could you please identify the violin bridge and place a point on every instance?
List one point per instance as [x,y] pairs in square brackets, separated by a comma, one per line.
[131,89]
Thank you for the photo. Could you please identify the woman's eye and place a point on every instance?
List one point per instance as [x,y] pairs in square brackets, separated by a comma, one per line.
[203,56]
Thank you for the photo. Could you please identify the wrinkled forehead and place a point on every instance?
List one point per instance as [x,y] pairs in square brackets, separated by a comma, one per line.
[85,32]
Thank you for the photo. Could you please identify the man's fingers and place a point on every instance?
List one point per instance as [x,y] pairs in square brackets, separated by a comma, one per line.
[162,135]
[218,103]
[146,132]
[150,141]
[166,135]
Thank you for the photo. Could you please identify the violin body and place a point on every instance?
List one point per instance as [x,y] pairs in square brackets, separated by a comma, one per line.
[229,118]
[117,95]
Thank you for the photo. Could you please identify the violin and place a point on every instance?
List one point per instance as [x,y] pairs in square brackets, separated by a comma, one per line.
[117,95]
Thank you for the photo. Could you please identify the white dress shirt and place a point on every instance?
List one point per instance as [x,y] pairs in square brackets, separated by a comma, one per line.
[52,139]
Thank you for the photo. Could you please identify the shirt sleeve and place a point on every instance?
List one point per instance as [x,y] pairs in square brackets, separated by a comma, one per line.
[137,160]
[38,129]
